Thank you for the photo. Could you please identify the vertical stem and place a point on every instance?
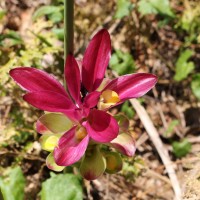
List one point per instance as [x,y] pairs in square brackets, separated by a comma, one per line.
[69,27]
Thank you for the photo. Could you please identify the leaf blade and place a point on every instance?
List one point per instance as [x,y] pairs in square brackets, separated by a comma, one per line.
[62,186]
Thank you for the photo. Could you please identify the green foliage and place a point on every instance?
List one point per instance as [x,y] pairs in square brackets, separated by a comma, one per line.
[62,187]
[59,32]
[13,38]
[39,43]
[145,7]
[190,21]
[56,17]
[195,85]
[12,184]
[128,110]
[124,7]
[54,13]
[122,63]
[161,7]
[42,39]
[181,148]
[183,68]
[132,167]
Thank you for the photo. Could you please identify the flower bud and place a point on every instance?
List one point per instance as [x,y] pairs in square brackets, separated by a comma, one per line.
[93,164]
[114,162]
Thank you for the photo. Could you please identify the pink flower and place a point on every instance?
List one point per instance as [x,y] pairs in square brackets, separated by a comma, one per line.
[46,93]
[83,102]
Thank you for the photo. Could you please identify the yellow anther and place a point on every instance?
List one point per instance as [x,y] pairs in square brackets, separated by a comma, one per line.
[110,96]
[81,132]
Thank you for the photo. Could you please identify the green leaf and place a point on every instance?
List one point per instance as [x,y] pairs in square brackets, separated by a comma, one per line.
[62,187]
[42,39]
[12,184]
[190,19]
[161,7]
[122,63]
[56,17]
[170,128]
[195,85]
[13,38]
[45,10]
[123,8]
[181,148]
[128,110]
[59,32]
[145,7]
[183,68]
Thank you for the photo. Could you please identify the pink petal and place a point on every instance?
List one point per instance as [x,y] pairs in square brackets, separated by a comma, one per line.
[35,80]
[96,59]
[124,143]
[132,85]
[101,126]
[69,150]
[52,102]
[79,62]
[92,99]
[72,78]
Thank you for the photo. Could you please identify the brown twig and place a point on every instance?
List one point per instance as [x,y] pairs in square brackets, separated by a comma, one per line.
[153,134]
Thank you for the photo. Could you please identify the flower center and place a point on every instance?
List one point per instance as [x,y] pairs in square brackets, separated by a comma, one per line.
[80,133]
[107,99]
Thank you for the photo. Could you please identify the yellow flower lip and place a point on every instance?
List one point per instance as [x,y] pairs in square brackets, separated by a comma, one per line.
[80,133]
[108,98]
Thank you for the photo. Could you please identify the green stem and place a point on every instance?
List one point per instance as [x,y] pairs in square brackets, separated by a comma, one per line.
[69,27]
